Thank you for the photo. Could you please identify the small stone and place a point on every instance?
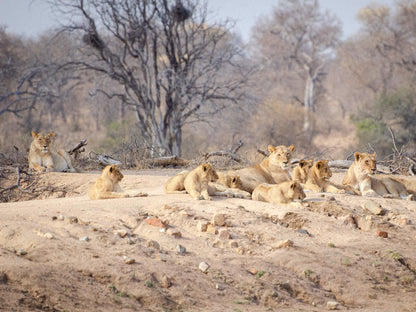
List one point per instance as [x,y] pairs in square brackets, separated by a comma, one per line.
[60,217]
[233,244]
[211,229]
[332,305]
[373,207]
[173,232]
[153,244]
[162,257]
[218,219]
[202,226]
[72,220]
[224,234]
[382,233]
[253,271]
[166,283]
[85,239]
[330,198]
[184,213]
[285,244]
[240,250]
[128,260]
[180,249]
[350,221]
[3,278]
[203,266]
[404,221]
[49,236]
[302,231]
[121,233]
[219,287]
[21,252]
[54,218]
[155,222]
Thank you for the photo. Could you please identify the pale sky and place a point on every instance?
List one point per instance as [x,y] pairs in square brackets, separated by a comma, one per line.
[32,17]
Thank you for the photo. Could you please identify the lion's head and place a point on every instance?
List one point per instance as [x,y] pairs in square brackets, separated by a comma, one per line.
[42,141]
[280,155]
[113,173]
[235,182]
[296,191]
[208,172]
[365,162]
[321,170]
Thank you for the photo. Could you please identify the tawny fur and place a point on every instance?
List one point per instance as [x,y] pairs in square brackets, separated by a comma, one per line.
[196,181]
[301,172]
[273,169]
[282,193]
[44,158]
[359,176]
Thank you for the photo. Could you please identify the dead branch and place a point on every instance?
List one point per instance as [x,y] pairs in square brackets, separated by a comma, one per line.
[78,149]
[167,161]
[231,155]
[103,159]
[235,150]
[262,152]
[394,141]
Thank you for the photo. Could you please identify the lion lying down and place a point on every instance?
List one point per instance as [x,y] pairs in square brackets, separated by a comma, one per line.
[201,183]
[359,176]
[107,185]
[43,157]
[282,193]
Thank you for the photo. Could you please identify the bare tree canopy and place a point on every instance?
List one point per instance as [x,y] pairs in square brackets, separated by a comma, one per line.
[165,60]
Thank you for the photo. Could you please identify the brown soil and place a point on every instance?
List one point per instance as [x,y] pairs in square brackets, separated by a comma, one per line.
[336,254]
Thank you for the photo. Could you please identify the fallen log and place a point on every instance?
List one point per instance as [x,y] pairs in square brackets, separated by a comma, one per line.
[167,161]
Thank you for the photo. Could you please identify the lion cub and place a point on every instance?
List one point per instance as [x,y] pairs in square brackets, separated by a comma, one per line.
[359,176]
[282,193]
[107,185]
[42,157]
[196,182]
[301,171]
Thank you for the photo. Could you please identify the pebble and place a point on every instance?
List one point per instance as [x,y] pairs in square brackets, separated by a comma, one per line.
[72,220]
[302,231]
[284,244]
[180,249]
[3,278]
[218,219]
[219,287]
[404,221]
[153,244]
[233,244]
[173,232]
[332,305]
[211,229]
[253,271]
[121,233]
[162,257]
[128,260]
[21,252]
[203,266]
[382,233]
[166,283]
[202,226]
[373,207]
[224,234]
[60,217]
[49,235]
[85,239]
[154,221]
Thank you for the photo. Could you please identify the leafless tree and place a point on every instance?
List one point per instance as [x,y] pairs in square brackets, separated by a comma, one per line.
[167,62]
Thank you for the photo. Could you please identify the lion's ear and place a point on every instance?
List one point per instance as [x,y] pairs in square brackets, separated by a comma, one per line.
[291,148]
[326,161]
[357,156]
[234,179]
[205,167]
[111,169]
[34,135]
[375,155]
[319,164]
[293,185]
[52,134]
[271,148]
[302,163]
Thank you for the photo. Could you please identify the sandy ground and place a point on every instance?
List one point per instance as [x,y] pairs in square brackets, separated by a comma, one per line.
[74,254]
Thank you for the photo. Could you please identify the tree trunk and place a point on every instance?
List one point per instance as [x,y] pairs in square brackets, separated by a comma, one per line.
[308,101]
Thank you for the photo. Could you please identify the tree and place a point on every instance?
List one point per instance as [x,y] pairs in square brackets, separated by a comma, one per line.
[167,62]
[299,39]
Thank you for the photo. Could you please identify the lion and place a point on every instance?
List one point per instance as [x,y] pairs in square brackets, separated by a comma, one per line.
[107,185]
[282,193]
[42,156]
[272,170]
[301,172]
[318,179]
[359,176]
[175,185]
[196,181]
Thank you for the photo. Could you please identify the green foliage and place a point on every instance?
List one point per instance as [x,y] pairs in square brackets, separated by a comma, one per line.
[396,110]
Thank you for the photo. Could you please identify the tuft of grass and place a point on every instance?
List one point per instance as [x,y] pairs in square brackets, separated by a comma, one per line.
[347,262]
[332,245]
[308,273]
[260,273]
[149,284]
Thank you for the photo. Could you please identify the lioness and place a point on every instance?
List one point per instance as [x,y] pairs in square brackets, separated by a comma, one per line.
[196,182]
[273,170]
[301,171]
[318,179]
[42,157]
[107,185]
[359,176]
[281,193]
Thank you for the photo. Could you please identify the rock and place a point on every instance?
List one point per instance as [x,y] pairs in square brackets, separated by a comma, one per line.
[350,221]
[404,221]
[203,266]
[202,226]
[84,239]
[253,271]
[303,231]
[224,234]
[219,287]
[49,236]
[180,249]
[166,283]
[330,198]
[3,278]
[72,220]
[373,207]
[60,217]
[332,305]
[218,219]
[128,260]
[382,233]
[285,244]
[162,257]
[241,250]
[211,229]
[173,232]
[153,244]
[154,221]
[233,244]
[121,233]
[21,252]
